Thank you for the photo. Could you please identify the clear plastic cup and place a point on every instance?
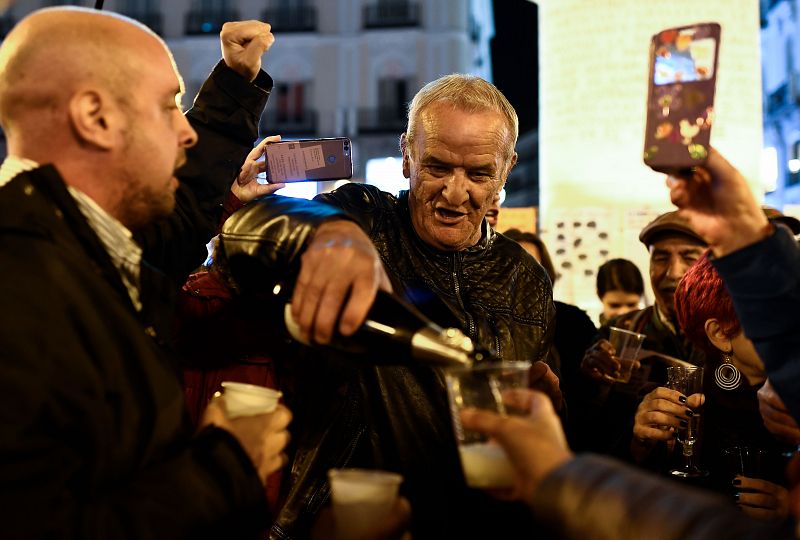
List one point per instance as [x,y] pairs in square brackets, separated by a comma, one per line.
[483,386]
[627,344]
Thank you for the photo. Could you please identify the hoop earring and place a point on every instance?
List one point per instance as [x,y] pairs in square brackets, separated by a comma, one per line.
[726,375]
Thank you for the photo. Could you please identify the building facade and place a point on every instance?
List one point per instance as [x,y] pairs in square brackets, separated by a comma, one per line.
[780,64]
[341,67]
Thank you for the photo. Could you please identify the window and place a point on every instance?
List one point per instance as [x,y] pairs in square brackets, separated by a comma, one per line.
[144,11]
[288,111]
[208,16]
[392,100]
[793,165]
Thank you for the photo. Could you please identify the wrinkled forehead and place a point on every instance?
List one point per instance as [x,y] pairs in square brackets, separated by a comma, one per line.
[673,241]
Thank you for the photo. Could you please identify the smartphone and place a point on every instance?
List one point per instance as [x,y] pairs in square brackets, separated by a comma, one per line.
[680,97]
[309,160]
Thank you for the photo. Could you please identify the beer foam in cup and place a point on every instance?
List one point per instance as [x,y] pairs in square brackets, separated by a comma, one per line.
[243,399]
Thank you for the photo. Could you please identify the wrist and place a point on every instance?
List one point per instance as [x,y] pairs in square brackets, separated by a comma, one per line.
[743,236]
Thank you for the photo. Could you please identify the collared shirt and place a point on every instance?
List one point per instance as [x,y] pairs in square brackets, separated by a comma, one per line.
[663,319]
[118,241]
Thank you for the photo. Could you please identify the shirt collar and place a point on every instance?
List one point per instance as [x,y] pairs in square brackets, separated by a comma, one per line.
[14,165]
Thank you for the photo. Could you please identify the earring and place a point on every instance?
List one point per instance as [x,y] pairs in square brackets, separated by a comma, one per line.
[726,375]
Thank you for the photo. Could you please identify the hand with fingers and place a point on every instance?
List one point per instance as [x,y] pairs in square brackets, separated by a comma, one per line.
[394,526]
[263,437]
[661,413]
[720,205]
[601,363]
[243,44]
[535,444]
[340,274]
[542,378]
[761,499]
[776,417]
[245,187]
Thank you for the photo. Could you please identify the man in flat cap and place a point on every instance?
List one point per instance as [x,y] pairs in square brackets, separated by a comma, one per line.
[602,419]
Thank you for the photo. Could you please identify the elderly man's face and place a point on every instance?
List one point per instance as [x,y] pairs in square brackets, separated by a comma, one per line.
[456,166]
[670,258]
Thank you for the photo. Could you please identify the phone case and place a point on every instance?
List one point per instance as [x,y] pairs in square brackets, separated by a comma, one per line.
[309,160]
[680,102]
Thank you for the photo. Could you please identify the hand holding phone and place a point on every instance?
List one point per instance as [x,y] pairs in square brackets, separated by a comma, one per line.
[309,160]
[680,100]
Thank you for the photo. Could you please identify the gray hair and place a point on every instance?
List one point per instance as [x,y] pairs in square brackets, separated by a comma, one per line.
[468,93]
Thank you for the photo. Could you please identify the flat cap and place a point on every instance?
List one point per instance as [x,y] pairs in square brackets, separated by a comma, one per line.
[671,222]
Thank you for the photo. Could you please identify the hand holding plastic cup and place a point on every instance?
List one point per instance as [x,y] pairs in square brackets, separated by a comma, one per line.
[627,344]
[362,499]
[483,386]
[243,399]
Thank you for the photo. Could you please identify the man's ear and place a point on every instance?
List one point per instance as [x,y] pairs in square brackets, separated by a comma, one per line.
[512,162]
[93,117]
[716,337]
[406,157]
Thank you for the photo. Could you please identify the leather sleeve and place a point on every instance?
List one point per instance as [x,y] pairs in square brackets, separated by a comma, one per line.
[263,241]
[225,115]
[599,498]
[361,201]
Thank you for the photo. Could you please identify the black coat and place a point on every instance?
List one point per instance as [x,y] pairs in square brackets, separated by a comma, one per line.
[95,439]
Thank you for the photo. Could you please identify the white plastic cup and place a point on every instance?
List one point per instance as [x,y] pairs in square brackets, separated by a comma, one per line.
[242,399]
[362,499]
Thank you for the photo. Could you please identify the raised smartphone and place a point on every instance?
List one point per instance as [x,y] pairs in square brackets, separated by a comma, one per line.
[309,160]
[680,98]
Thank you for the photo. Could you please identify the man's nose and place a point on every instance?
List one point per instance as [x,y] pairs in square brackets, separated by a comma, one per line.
[677,267]
[455,188]
[187,136]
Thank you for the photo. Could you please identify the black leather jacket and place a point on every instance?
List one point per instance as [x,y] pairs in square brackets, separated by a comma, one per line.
[396,417]
[495,292]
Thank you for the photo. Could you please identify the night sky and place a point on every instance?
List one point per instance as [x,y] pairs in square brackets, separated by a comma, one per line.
[515,62]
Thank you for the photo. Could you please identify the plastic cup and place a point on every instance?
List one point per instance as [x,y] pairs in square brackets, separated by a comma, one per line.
[243,399]
[483,386]
[362,499]
[627,344]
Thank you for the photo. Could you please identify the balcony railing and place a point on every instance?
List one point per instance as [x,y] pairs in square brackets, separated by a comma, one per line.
[295,19]
[381,120]
[208,22]
[391,14]
[151,19]
[273,122]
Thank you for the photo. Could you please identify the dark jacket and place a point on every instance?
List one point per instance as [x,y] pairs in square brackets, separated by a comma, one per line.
[95,439]
[498,294]
[397,417]
[764,282]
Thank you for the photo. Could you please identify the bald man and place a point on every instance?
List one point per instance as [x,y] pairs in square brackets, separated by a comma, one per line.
[95,440]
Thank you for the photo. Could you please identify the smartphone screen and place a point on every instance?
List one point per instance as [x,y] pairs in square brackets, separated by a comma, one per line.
[680,101]
[309,160]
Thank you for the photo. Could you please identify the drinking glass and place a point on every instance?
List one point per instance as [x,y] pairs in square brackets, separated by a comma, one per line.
[688,380]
